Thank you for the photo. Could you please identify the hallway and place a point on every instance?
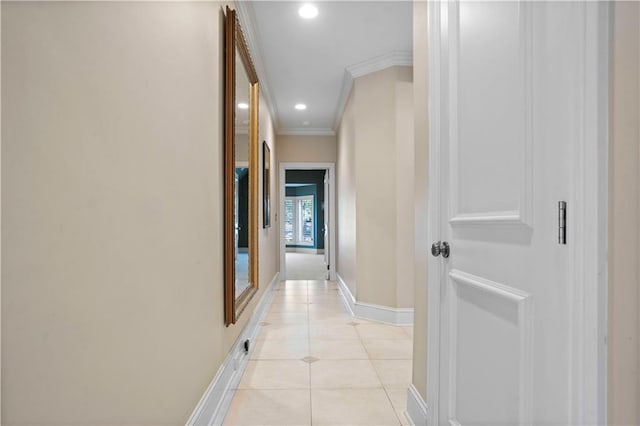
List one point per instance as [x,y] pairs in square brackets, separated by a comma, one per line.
[313,363]
[473,191]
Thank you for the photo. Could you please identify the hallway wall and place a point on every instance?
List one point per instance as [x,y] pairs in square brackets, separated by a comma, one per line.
[306,149]
[405,174]
[346,195]
[624,218]
[382,188]
[421,162]
[268,238]
[112,189]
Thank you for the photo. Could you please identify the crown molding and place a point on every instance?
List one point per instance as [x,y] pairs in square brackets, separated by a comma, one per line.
[306,131]
[377,63]
[347,84]
[247,20]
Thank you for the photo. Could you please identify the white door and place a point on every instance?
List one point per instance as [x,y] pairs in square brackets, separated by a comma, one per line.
[510,117]
[326,225]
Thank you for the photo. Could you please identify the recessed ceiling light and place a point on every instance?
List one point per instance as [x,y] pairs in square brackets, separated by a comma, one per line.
[243,105]
[308,11]
[300,107]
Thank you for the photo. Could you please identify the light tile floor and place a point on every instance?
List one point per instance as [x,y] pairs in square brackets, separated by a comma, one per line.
[313,363]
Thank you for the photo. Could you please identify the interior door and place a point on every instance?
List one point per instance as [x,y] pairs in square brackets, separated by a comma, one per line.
[327,218]
[510,116]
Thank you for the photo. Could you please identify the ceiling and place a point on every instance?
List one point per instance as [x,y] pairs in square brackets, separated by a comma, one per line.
[314,61]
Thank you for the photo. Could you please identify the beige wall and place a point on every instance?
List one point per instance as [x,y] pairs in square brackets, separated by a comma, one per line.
[379,148]
[0,218]
[269,258]
[306,149]
[624,217]
[346,194]
[420,99]
[405,175]
[112,211]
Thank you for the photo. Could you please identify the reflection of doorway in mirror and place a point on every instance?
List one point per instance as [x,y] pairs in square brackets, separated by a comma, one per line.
[242,188]
[241,228]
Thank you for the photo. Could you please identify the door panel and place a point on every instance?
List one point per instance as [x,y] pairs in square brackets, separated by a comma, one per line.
[510,110]
[490,381]
[490,95]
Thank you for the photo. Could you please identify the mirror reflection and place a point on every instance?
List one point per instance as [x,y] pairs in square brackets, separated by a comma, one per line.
[242,178]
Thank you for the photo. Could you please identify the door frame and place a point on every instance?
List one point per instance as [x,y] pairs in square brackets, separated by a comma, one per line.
[588,346]
[330,167]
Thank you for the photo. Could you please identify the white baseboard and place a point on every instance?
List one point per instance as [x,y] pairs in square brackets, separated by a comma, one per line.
[304,250]
[213,406]
[395,316]
[417,411]
[345,295]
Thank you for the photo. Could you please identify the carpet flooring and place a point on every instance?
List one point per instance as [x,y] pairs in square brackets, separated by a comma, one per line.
[302,266]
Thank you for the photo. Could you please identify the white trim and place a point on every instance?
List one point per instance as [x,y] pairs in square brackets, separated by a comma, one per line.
[504,218]
[332,211]
[214,404]
[345,295]
[435,268]
[381,62]
[304,250]
[370,311]
[589,280]
[345,91]
[395,316]
[417,410]
[306,131]
[377,63]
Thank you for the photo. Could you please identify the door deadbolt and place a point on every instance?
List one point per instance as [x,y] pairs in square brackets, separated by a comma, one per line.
[440,248]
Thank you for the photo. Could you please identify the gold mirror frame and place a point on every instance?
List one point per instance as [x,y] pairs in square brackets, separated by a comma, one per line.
[234,42]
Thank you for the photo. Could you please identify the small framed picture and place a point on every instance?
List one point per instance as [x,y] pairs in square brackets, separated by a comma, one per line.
[266,185]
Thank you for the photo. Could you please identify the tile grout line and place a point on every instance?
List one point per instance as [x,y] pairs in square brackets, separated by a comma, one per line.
[309,354]
[379,378]
[310,299]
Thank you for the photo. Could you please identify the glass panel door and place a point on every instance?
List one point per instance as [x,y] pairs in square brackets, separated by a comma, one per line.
[305,234]
[289,220]
[299,221]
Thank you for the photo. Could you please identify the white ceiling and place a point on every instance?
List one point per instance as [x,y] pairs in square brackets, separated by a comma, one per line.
[313,61]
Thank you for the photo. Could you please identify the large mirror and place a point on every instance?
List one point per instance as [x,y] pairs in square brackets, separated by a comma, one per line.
[241,172]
